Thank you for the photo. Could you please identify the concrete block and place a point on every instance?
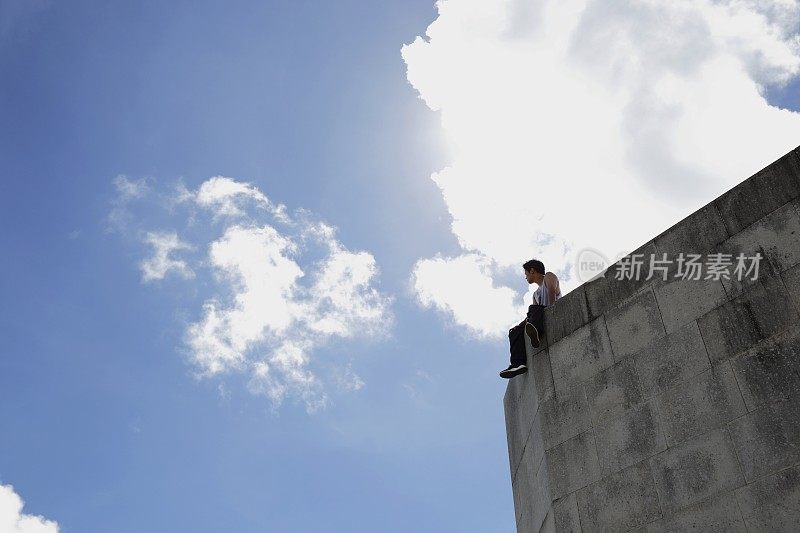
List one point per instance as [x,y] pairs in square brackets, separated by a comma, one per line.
[520,405]
[572,464]
[630,438]
[565,514]
[613,391]
[768,439]
[542,373]
[566,315]
[695,470]
[718,514]
[669,360]
[622,284]
[548,526]
[760,194]
[564,416]
[698,233]
[776,237]
[598,296]
[772,503]
[707,401]
[739,324]
[683,301]
[534,489]
[770,371]
[529,462]
[581,355]
[525,525]
[791,280]
[634,324]
[621,501]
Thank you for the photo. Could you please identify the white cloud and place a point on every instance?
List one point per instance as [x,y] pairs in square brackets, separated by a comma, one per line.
[227,198]
[347,379]
[272,323]
[160,263]
[630,114]
[462,288]
[127,191]
[13,520]
[283,287]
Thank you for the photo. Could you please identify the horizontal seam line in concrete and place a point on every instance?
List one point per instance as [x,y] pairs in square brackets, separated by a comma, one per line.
[752,224]
[765,476]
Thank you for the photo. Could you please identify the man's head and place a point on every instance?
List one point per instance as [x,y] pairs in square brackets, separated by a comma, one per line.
[534,271]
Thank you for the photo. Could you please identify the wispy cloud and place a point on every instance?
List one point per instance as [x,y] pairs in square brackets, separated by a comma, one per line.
[593,123]
[229,198]
[127,191]
[13,520]
[161,262]
[284,286]
[417,387]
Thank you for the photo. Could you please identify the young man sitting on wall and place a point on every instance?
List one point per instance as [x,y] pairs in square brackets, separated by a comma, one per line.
[533,325]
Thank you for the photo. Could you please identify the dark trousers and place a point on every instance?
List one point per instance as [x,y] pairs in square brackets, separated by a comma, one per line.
[516,335]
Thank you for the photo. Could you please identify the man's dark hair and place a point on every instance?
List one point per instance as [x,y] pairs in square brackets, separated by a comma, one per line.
[534,264]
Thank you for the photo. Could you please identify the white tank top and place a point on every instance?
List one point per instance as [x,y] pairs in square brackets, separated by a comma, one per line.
[542,296]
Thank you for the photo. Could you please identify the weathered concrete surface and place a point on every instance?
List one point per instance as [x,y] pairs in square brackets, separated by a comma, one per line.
[672,405]
[768,439]
[621,501]
[772,503]
[716,514]
[696,469]
[565,514]
[636,435]
[634,325]
[573,313]
[565,416]
[581,354]
[572,464]
[667,361]
[770,371]
[704,402]
[682,303]
[762,194]
[613,391]
[737,325]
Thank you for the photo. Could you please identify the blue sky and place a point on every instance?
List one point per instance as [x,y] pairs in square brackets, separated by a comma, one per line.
[109,423]
[106,428]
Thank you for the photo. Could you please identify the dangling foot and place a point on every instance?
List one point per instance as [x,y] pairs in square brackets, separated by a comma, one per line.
[513,370]
[533,334]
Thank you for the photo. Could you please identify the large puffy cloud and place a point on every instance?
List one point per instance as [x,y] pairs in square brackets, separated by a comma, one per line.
[284,287]
[595,123]
[13,520]
[463,287]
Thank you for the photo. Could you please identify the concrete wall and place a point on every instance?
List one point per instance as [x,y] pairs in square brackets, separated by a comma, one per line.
[672,405]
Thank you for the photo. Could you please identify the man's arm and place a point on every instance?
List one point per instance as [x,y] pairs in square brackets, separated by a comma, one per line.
[551,280]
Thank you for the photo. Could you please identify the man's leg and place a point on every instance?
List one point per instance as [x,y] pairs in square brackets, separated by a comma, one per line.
[516,340]
[517,344]
[535,324]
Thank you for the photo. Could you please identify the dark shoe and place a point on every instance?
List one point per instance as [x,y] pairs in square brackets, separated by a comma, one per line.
[533,334]
[513,370]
